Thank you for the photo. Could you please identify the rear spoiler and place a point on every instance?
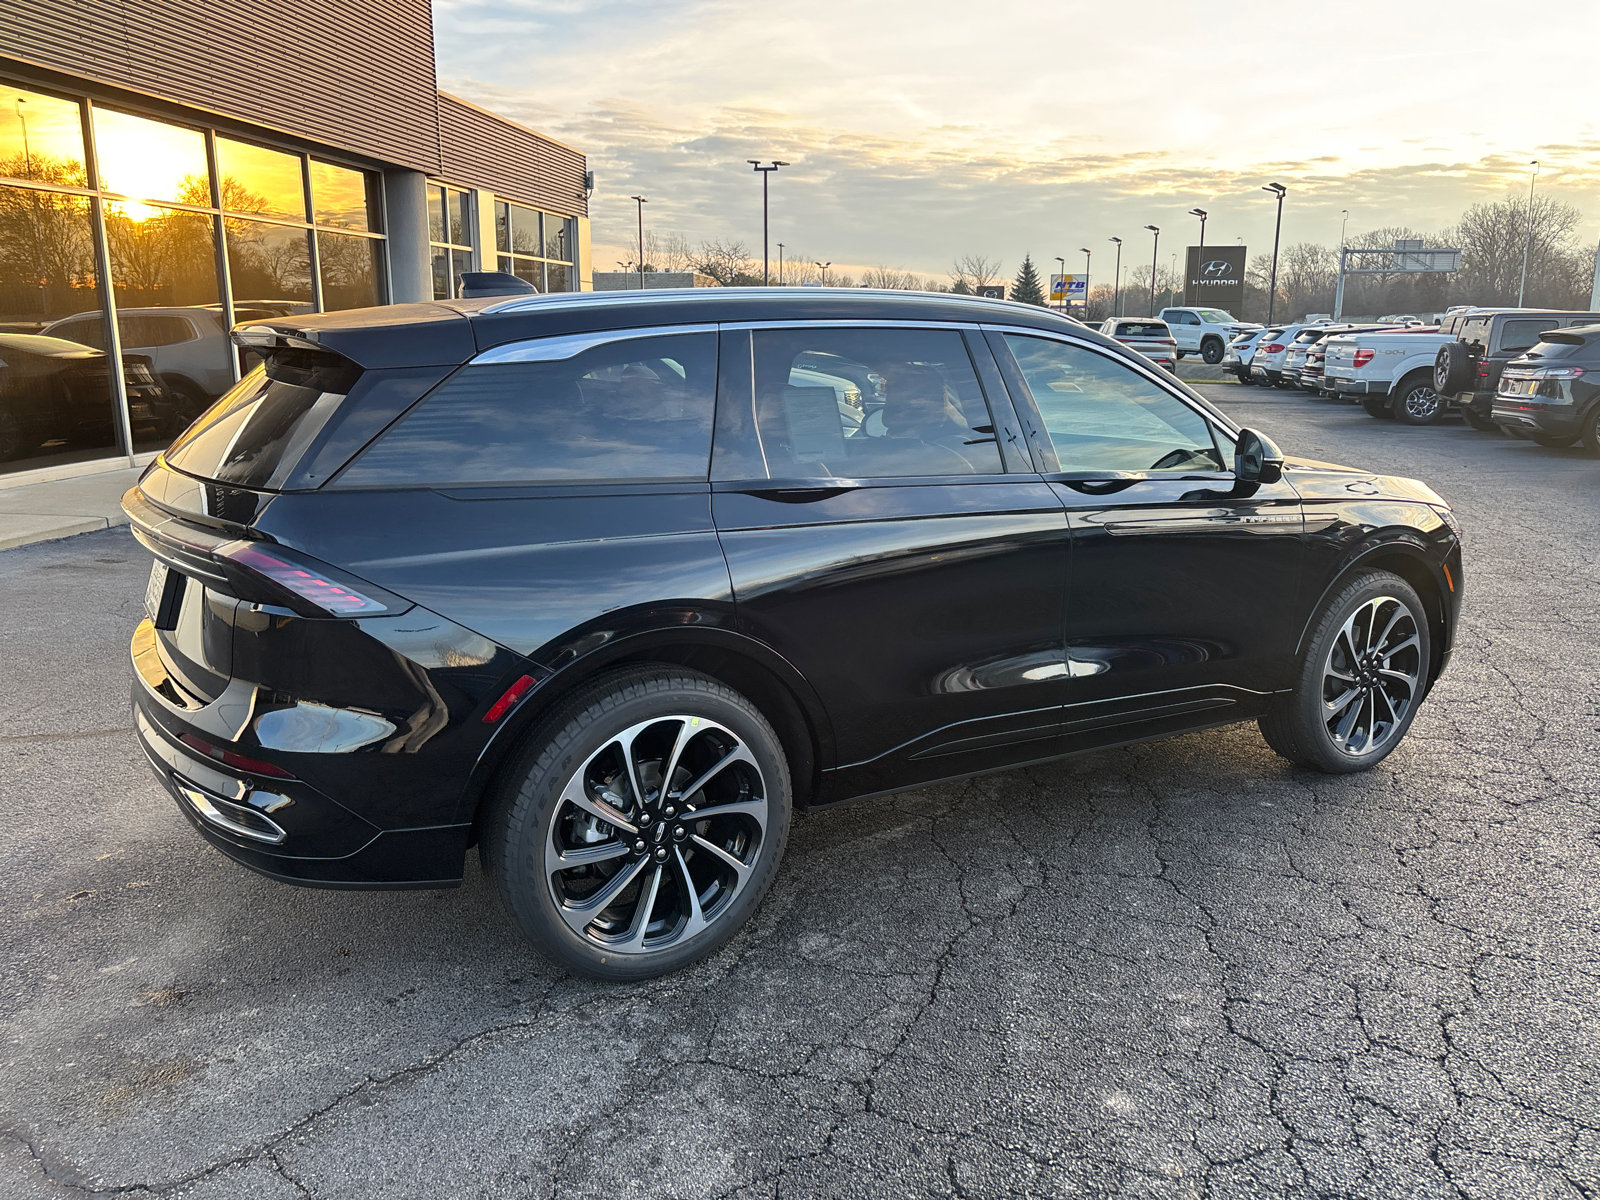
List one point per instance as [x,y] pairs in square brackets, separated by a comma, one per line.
[397,335]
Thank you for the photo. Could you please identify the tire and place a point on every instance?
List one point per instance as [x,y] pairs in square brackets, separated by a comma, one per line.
[1551,442]
[1591,432]
[1379,701]
[1417,401]
[1378,406]
[1212,350]
[1481,424]
[13,441]
[1452,368]
[623,912]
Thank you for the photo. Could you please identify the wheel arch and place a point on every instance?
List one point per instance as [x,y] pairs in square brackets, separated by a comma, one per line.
[754,670]
[1417,567]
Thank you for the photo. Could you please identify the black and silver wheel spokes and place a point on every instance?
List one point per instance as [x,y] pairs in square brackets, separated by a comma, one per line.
[1372,675]
[656,834]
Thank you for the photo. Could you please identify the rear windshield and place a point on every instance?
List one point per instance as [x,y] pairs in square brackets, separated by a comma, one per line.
[1306,336]
[256,433]
[1155,329]
[1553,350]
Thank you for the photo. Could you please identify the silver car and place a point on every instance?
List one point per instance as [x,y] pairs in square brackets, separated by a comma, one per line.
[1150,336]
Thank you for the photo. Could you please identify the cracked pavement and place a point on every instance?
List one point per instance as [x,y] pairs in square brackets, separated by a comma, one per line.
[1183,969]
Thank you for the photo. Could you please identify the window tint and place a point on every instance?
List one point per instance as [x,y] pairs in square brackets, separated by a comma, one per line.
[1103,416]
[1519,335]
[632,410]
[869,403]
[155,329]
[257,432]
[1145,329]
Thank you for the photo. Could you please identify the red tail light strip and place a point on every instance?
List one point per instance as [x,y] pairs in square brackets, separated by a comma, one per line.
[229,758]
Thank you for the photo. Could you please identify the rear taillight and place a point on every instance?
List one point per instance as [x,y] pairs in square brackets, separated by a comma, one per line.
[310,588]
[1275,348]
[229,758]
[1561,373]
[1364,356]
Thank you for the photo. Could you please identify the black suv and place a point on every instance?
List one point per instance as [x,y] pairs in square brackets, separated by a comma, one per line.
[1466,372]
[1552,393]
[608,584]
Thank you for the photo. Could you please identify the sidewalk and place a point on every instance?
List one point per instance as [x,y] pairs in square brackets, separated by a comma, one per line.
[39,512]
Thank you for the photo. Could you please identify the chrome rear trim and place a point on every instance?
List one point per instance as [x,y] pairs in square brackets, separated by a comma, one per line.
[215,811]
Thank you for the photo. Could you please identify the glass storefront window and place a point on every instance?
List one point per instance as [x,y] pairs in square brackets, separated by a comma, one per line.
[531,236]
[41,138]
[344,197]
[502,226]
[450,229]
[263,182]
[352,268]
[523,268]
[151,160]
[525,237]
[556,277]
[268,262]
[55,394]
[161,256]
[557,238]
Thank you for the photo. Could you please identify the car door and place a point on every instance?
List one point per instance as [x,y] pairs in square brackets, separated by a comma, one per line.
[1183,608]
[912,566]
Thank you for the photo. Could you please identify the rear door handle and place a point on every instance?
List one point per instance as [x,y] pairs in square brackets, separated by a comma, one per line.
[799,495]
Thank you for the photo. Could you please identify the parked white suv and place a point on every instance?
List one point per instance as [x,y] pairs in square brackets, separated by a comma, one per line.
[1204,331]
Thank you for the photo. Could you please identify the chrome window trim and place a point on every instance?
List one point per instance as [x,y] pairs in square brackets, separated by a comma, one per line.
[991,309]
[851,323]
[570,345]
[1205,408]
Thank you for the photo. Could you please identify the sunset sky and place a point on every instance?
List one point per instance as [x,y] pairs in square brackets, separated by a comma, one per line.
[920,131]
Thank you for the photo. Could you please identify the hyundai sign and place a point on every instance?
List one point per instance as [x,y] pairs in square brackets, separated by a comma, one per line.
[1215,278]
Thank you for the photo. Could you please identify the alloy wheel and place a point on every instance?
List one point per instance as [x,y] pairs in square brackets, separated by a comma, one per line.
[1370,680]
[656,834]
[1421,402]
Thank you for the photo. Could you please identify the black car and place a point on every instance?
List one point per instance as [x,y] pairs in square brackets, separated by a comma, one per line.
[54,390]
[1466,371]
[1552,393]
[608,584]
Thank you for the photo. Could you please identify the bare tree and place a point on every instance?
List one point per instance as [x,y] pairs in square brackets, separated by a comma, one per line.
[728,262]
[1491,237]
[889,278]
[970,272]
[667,252]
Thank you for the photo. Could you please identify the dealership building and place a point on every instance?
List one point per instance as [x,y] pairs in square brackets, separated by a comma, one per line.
[171,167]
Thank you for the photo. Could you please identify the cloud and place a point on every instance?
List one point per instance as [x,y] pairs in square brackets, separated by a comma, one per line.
[919,132]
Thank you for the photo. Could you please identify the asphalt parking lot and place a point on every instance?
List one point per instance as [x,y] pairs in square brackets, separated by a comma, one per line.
[1179,970]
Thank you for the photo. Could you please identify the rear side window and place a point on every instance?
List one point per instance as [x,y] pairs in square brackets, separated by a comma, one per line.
[145,330]
[1520,334]
[870,403]
[1148,329]
[1476,330]
[255,435]
[634,410]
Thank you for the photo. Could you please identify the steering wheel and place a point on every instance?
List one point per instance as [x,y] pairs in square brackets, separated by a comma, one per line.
[1172,458]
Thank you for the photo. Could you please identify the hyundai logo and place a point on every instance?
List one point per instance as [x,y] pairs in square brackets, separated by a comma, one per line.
[1217,268]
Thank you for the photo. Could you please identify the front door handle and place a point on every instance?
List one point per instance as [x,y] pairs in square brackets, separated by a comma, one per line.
[800,495]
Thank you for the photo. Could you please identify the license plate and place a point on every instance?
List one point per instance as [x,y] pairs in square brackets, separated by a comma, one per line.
[155,589]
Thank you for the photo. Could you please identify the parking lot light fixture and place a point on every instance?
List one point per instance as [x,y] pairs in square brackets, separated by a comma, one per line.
[1527,242]
[1116,285]
[1278,190]
[1155,249]
[766,172]
[1085,250]
[1202,214]
[1063,263]
[823,267]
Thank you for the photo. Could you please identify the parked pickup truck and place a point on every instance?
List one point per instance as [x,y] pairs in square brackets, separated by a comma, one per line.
[1204,331]
[1390,371]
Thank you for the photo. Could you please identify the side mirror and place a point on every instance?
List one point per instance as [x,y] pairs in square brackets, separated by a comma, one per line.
[1256,458]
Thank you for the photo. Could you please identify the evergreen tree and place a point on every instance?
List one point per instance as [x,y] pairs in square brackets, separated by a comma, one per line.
[1026,289]
[961,288]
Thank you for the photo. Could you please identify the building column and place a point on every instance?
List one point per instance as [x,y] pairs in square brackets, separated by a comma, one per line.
[583,264]
[406,219]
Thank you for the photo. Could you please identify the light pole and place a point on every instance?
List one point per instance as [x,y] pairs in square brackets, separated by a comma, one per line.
[1063,263]
[640,202]
[1116,285]
[823,267]
[1085,250]
[1278,190]
[1202,214]
[1343,225]
[1527,242]
[766,268]
[1155,247]
[780,264]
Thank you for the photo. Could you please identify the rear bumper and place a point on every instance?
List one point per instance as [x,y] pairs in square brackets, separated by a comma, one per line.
[1359,387]
[284,827]
[1562,420]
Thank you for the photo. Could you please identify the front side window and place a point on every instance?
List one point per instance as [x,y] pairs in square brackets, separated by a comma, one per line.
[870,403]
[635,410]
[1102,416]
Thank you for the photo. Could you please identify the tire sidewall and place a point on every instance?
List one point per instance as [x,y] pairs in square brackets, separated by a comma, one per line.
[1401,408]
[1211,351]
[1307,699]
[550,762]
